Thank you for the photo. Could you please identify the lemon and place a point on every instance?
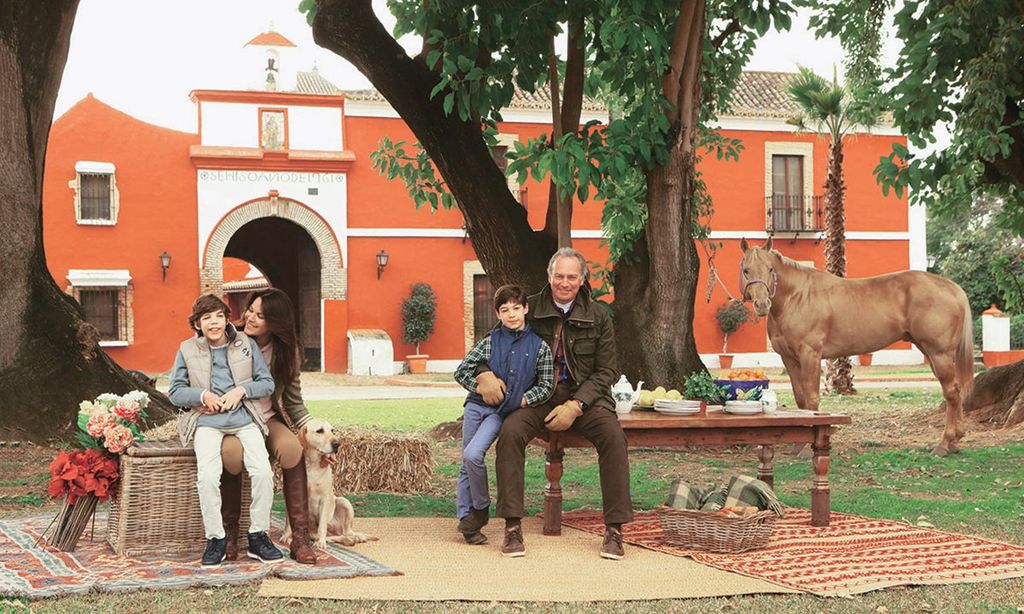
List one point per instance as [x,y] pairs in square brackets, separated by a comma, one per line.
[646,398]
[659,392]
[673,395]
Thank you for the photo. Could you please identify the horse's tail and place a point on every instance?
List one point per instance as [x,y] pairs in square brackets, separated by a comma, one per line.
[964,358]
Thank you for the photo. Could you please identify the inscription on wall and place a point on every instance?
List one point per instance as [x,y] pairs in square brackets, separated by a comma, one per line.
[269,176]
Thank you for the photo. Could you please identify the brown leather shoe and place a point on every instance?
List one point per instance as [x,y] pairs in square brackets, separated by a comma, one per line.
[297,507]
[513,545]
[612,546]
[474,520]
[230,511]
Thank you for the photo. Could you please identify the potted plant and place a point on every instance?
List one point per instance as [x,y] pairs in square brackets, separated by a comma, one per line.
[418,314]
[700,386]
[730,317]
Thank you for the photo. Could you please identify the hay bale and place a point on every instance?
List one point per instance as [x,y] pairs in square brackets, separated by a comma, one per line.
[368,461]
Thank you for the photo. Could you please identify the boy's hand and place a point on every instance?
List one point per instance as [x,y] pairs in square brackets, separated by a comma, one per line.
[230,399]
[211,403]
[490,388]
[562,416]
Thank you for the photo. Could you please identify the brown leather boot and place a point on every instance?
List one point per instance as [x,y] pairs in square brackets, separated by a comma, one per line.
[296,505]
[230,511]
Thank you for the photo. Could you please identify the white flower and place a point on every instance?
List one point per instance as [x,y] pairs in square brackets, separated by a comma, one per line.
[138,396]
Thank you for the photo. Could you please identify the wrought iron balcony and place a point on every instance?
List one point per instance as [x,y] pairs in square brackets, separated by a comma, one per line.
[794,213]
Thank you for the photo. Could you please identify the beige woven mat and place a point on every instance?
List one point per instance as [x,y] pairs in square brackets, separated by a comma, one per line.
[439,566]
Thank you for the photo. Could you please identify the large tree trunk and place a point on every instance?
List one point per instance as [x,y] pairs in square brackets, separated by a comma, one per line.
[998,395]
[49,358]
[654,296]
[838,371]
[509,250]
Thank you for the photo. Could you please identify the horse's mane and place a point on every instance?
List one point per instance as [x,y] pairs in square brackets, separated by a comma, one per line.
[786,260]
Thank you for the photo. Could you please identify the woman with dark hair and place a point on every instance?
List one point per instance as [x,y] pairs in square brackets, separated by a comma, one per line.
[270,320]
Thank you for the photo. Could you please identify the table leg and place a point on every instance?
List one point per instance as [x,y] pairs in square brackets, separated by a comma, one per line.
[553,489]
[820,489]
[765,472]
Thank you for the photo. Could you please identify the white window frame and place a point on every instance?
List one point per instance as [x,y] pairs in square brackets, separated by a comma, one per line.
[107,279]
[85,167]
[788,148]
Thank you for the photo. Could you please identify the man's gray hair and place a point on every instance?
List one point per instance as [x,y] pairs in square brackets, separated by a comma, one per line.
[568,252]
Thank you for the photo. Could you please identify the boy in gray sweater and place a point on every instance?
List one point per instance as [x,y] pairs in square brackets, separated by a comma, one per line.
[218,374]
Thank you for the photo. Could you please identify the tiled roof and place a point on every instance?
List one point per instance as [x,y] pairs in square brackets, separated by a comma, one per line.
[758,94]
[310,82]
[270,39]
[763,94]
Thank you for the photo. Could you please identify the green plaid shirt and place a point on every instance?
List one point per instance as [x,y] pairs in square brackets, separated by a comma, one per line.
[465,374]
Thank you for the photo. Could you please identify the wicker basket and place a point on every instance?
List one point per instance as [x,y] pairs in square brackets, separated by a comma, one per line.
[156,510]
[714,532]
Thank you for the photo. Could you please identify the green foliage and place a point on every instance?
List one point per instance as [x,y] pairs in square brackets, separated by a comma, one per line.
[959,68]
[415,170]
[983,258]
[408,415]
[731,315]
[308,8]
[700,386]
[418,314]
[826,106]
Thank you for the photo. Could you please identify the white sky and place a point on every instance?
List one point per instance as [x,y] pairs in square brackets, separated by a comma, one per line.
[144,57]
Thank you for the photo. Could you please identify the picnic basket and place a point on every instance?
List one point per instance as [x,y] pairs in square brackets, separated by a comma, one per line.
[715,532]
[156,511]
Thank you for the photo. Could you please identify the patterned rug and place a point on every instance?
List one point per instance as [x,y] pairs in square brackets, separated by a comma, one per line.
[853,555]
[34,572]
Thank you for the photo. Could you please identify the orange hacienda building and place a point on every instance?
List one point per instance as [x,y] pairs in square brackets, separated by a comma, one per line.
[277,187]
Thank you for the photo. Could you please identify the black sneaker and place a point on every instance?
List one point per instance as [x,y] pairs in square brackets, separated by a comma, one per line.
[261,549]
[216,550]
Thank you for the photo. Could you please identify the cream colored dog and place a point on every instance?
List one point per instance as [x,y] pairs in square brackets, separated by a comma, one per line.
[330,516]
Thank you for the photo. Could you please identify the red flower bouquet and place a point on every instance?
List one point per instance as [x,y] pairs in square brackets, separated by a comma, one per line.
[107,427]
[80,473]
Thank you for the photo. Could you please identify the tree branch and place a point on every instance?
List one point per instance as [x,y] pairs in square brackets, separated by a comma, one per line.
[731,28]
[670,83]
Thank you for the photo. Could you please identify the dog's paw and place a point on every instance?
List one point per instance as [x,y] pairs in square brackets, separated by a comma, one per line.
[286,536]
[321,544]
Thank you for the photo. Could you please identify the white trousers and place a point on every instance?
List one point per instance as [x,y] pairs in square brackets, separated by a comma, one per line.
[209,467]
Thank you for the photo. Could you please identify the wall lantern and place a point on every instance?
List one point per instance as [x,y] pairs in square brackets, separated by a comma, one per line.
[165,263]
[382,261]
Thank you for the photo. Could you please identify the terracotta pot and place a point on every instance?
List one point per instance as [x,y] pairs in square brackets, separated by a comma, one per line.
[725,361]
[703,408]
[417,363]
[865,360]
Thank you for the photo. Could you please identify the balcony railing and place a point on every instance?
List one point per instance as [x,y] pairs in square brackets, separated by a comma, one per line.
[794,213]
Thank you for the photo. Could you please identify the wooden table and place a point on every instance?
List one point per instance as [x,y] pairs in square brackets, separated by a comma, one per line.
[651,429]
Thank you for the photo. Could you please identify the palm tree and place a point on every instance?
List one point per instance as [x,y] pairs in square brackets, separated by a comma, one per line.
[829,108]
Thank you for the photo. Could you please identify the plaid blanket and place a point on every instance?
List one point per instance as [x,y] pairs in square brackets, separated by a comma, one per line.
[741,490]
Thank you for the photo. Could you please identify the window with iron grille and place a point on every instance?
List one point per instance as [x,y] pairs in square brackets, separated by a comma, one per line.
[96,194]
[484,317]
[787,204]
[102,308]
[498,155]
[95,197]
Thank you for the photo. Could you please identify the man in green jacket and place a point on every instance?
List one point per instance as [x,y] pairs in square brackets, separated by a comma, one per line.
[581,336]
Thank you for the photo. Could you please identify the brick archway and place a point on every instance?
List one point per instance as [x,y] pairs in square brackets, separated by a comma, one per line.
[333,278]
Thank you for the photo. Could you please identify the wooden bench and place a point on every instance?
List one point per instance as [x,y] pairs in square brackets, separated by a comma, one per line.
[651,429]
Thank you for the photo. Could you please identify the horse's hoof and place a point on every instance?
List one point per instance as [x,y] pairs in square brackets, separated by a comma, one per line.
[940,451]
[954,448]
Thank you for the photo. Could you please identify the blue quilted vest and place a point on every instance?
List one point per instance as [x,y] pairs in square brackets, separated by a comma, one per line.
[514,360]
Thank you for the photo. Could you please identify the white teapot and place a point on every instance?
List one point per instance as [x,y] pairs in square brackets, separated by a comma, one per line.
[624,395]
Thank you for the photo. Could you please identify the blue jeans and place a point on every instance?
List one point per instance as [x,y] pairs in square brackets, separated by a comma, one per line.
[480,427]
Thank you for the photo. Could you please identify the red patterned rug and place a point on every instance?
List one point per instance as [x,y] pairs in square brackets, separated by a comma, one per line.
[34,572]
[853,555]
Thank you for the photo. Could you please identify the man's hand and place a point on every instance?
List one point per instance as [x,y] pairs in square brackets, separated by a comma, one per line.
[490,388]
[230,399]
[211,403]
[562,416]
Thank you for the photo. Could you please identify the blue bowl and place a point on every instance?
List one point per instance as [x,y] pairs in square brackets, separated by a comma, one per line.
[745,385]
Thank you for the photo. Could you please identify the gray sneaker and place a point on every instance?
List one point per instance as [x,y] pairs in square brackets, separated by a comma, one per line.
[513,545]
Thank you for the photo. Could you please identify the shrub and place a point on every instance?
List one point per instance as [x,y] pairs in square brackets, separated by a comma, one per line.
[730,317]
[418,314]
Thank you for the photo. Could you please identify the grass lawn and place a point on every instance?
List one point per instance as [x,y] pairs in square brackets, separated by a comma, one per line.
[881,467]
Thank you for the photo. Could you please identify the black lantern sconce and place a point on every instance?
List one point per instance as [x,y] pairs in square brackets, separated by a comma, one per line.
[382,261]
[165,263]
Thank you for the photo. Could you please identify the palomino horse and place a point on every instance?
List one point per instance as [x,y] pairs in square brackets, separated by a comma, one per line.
[813,315]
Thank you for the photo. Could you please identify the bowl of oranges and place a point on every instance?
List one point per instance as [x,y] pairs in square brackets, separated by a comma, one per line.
[743,384]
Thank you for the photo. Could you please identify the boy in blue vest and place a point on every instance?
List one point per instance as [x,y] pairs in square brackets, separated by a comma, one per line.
[522,362]
[218,375]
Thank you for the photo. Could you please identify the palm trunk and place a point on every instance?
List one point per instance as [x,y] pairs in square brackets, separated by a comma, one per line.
[49,358]
[839,371]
